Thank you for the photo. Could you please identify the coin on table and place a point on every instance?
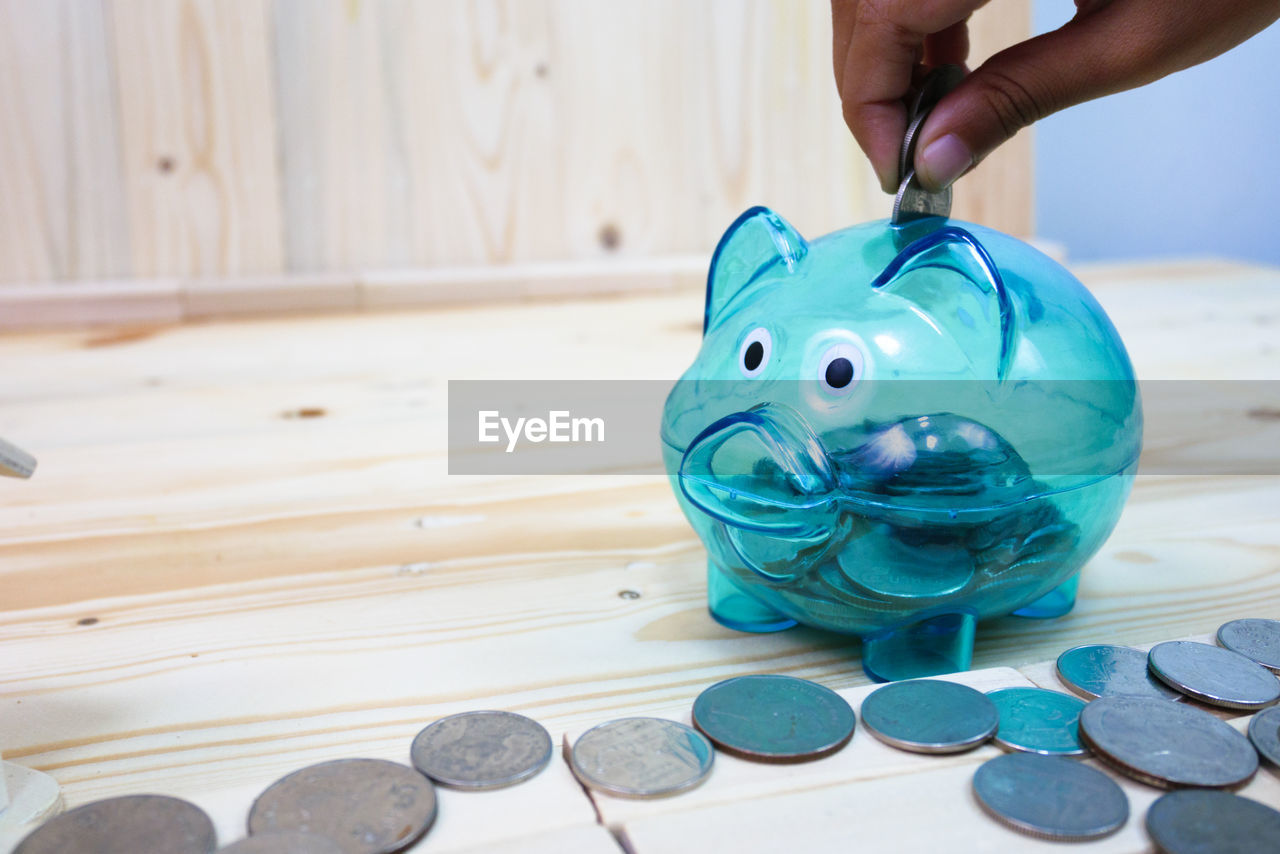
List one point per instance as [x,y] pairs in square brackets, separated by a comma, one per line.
[1105,670]
[1264,732]
[774,718]
[1255,639]
[127,825]
[482,750]
[1050,797]
[1036,720]
[367,806]
[642,757]
[930,716]
[1166,744]
[1199,821]
[15,462]
[1214,675]
[284,842]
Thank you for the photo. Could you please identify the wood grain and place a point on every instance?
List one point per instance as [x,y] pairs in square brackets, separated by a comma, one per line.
[166,301]
[584,839]
[62,208]
[197,119]
[246,138]
[242,552]
[332,124]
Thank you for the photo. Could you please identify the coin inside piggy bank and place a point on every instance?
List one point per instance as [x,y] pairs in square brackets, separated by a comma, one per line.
[897,431]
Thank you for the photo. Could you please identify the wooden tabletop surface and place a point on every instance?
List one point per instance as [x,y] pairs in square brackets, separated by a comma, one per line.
[242,553]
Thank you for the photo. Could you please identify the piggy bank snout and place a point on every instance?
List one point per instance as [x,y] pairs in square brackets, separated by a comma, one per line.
[762,469]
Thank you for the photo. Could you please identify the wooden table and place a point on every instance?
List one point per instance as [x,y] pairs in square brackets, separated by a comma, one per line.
[242,554]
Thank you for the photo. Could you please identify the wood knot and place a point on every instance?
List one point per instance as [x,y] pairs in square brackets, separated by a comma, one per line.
[610,236]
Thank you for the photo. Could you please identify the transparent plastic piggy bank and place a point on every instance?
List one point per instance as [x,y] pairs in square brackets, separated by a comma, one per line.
[895,432]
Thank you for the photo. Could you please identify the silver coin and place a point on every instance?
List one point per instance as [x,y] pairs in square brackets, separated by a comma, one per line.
[930,716]
[1214,675]
[913,202]
[1264,732]
[1166,744]
[15,462]
[128,825]
[1255,639]
[367,806]
[907,151]
[1035,720]
[642,757]
[774,718]
[1196,821]
[1050,797]
[936,85]
[482,750]
[285,842]
[1105,670]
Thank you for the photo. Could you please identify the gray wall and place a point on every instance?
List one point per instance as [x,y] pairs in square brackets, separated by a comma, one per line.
[1188,166]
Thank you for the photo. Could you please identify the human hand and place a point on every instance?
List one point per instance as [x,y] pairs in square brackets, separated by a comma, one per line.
[880,46]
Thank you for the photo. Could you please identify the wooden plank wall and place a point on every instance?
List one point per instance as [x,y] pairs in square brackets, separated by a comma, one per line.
[204,139]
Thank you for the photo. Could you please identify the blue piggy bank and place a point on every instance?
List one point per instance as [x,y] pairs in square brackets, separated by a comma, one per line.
[895,432]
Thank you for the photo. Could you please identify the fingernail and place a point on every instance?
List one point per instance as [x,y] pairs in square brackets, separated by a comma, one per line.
[945,160]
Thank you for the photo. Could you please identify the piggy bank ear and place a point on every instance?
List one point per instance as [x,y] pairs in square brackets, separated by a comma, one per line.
[757,241]
[949,277]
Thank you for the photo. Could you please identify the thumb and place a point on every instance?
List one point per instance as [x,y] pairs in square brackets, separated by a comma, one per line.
[984,112]
[1093,55]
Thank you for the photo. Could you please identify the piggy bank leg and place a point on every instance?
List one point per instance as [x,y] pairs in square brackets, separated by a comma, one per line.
[732,607]
[940,644]
[1055,603]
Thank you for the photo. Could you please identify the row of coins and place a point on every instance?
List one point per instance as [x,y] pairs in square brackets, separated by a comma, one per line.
[372,806]
[1133,721]
[347,806]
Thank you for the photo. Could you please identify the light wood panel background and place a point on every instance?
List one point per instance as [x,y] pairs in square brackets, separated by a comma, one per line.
[254,138]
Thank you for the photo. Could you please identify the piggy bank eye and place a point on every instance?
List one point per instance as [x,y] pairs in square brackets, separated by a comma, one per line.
[754,353]
[840,369]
